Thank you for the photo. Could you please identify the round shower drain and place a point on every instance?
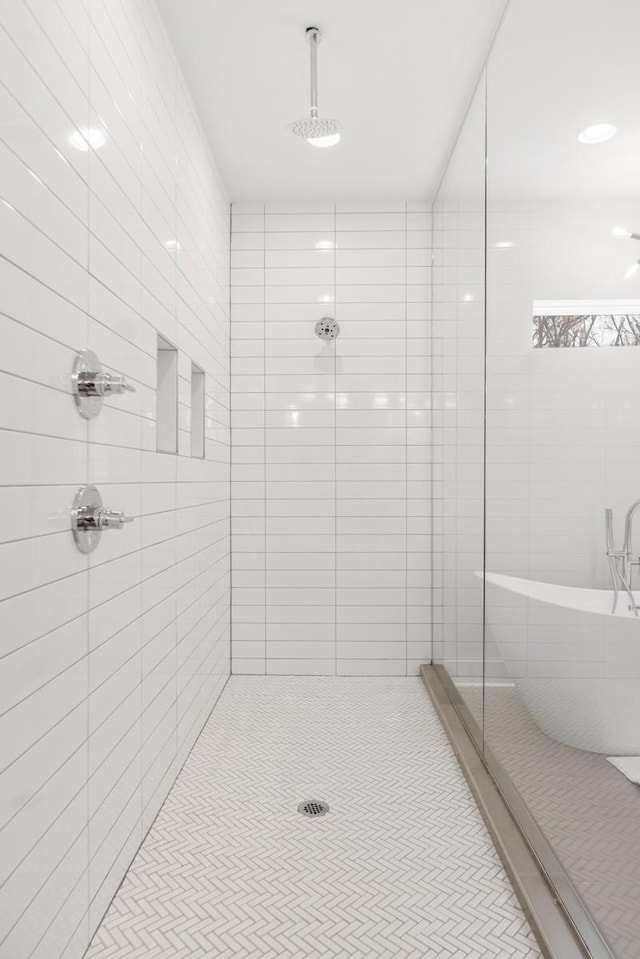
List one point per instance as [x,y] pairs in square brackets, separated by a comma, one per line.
[313,808]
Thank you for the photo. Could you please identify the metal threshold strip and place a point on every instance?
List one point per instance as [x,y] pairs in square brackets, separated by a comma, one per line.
[558,918]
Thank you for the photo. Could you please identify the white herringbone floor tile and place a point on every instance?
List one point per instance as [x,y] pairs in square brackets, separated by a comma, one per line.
[401,867]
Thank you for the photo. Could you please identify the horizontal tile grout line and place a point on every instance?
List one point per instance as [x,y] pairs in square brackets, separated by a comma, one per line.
[337,302]
[86,698]
[161,542]
[96,201]
[26,326]
[294,427]
[66,390]
[81,310]
[86,269]
[344,659]
[138,821]
[84,785]
[85,572]
[144,809]
[373,267]
[426,228]
[107,170]
[111,446]
[75,81]
[143,516]
[144,482]
[173,650]
[86,656]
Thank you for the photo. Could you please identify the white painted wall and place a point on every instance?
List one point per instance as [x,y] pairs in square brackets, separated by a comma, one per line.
[110,664]
[331,457]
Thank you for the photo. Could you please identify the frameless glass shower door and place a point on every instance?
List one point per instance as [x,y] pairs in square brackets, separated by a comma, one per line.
[458,401]
[536,412]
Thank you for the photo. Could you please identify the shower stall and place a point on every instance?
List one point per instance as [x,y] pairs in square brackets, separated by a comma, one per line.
[536,313]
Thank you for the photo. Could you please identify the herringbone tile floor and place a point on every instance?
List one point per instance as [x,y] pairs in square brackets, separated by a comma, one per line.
[587,809]
[401,867]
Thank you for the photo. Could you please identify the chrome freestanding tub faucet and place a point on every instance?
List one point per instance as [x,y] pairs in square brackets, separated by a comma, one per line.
[621,561]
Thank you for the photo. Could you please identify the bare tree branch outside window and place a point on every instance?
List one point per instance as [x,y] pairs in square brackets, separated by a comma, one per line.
[558,332]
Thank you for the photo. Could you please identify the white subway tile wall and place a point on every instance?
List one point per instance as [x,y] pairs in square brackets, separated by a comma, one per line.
[331,466]
[114,228]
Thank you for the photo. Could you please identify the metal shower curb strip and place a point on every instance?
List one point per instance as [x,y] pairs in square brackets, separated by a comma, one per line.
[561,923]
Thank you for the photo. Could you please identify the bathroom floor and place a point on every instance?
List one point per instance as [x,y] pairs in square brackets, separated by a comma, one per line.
[401,866]
[588,810]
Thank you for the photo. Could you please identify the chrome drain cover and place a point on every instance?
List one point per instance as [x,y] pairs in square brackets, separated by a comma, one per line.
[313,808]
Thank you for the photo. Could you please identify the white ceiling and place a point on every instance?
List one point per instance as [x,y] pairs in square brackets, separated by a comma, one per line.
[557,67]
[398,75]
[588,50]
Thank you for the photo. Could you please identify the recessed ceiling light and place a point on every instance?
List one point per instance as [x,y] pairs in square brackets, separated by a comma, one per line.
[325,245]
[468,298]
[624,234]
[598,133]
[504,245]
[87,137]
[620,231]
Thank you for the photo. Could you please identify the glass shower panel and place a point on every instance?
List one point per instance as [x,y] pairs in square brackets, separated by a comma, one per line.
[458,396]
[562,660]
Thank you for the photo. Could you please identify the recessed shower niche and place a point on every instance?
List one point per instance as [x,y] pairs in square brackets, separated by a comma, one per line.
[166,397]
[197,411]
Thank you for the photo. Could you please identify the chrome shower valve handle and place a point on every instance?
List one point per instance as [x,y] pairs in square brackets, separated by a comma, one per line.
[101,384]
[112,519]
[89,518]
[91,385]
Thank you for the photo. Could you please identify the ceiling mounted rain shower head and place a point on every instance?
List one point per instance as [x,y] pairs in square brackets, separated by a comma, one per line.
[316,130]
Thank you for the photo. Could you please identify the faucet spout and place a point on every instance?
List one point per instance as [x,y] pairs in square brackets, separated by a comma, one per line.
[628,529]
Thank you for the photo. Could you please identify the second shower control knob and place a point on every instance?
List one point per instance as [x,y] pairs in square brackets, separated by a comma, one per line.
[91,384]
[89,518]
[112,519]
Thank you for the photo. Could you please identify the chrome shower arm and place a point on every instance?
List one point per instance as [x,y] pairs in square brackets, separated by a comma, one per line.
[314,35]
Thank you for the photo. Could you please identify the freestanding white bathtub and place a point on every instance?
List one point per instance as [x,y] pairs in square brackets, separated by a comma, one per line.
[575,663]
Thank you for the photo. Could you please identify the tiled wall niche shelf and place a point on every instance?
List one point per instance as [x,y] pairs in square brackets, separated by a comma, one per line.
[167,397]
[197,411]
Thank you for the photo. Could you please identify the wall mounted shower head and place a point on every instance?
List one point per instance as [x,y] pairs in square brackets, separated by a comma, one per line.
[327,328]
[316,130]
